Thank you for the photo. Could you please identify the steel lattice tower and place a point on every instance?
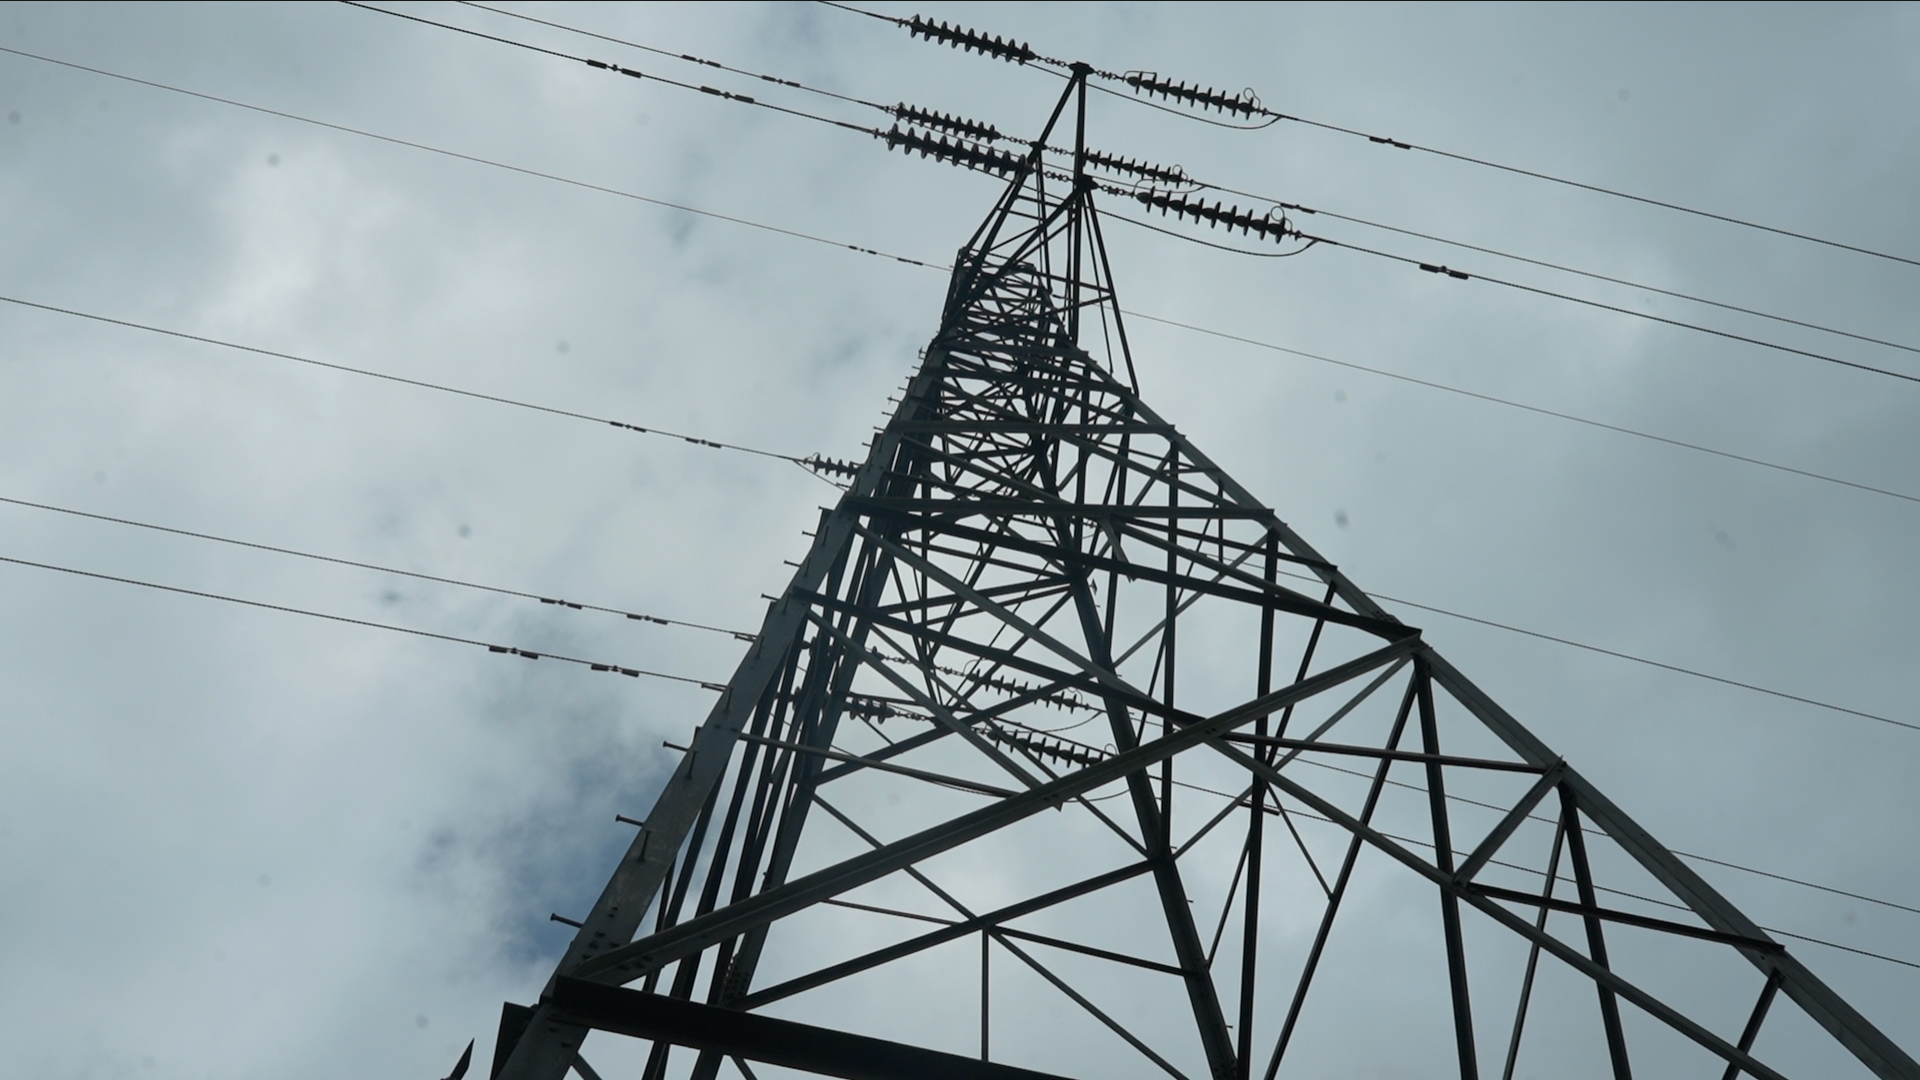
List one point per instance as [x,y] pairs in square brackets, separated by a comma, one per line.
[1044,644]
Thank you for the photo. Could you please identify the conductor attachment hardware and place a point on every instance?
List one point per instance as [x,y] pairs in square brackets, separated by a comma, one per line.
[959,37]
[927,118]
[958,151]
[1273,225]
[1245,104]
[1144,170]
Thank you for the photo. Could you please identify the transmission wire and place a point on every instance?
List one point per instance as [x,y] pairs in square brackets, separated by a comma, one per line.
[679,56]
[1471,160]
[1192,239]
[741,635]
[817,239]
[821,240]
[1434,268]
[603,189]
[422,384]
[490,647]
[896,258]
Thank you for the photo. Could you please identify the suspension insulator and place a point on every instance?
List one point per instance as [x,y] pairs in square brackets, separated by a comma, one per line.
[1017,52]
[1246,103]
[957,152]
[1272,225]
[927,118]
[824,464]
[1162,173]
[859,705]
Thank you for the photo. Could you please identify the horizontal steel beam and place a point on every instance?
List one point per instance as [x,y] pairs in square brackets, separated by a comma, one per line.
[1626,918]
[818,1050]
[631,961]
[1312,746]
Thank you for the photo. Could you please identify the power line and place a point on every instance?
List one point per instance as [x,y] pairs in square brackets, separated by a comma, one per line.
[1618,655]
[935,266]
[1682,324]
[817,463]
[679,56]
[1461,275]
[614,68]
[812,238]
[1254,108]
[636,672]
[596,666]
[821,240]
[382,569]
[1562,268]
[1618,194]
[346,129]
[419,383]
[1430,384]
[490,647]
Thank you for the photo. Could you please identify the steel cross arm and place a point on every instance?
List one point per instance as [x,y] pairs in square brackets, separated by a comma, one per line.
[1021,590]
[948,932]
[1626,918]
[1014,507]
[1214,509]
[1281,599]
[883,766]
[991,712]
[1312,746]
[1030,427]
[940,712]
[1108,678]
[631,961]
[1091,684]
[818,1050]
[1828,1009]
[1134,464]
[1579,961]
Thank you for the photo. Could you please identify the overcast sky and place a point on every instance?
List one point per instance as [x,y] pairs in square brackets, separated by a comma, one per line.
[243,843]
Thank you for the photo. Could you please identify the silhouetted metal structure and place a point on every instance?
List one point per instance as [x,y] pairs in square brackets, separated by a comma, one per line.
[1054,705]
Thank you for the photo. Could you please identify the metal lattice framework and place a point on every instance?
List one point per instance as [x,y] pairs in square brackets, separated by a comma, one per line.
[1053,700]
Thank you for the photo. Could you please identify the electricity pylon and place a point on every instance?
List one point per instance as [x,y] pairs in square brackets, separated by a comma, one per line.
[1054,707]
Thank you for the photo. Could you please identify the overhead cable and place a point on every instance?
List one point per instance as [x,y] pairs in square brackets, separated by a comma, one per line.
[458,156]
[978,158]
[1149,83]
[792,83]
[1564,269]
[570,604]
[1432,385]
[602,65]
[635,672]
[1618,655]
[422,384]
[489,646]
[915,262]
[1461,275]
[813,238]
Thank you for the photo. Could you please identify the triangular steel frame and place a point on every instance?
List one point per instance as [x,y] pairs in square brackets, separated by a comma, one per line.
[1028,538]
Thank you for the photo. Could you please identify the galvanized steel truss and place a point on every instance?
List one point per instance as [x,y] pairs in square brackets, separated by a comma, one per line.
[902,762]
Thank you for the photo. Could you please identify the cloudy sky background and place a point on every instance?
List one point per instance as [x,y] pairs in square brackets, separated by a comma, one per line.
[243,843]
